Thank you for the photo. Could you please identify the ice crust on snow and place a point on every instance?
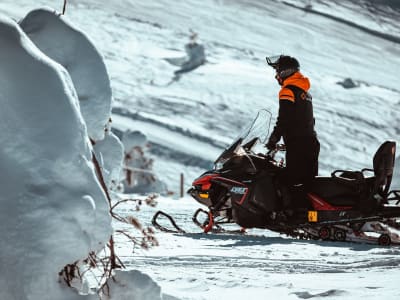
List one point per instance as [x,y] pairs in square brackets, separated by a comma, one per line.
[53,208]
[74,50]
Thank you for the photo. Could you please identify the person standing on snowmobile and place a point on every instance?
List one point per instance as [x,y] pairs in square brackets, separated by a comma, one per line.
[295,124]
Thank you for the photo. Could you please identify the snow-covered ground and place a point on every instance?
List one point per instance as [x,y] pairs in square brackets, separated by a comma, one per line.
[260,264]
[189,121]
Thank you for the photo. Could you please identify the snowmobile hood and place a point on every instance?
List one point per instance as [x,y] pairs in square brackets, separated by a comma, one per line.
[299,80]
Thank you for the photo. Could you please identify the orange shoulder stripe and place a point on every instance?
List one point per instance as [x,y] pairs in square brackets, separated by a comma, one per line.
[286,94]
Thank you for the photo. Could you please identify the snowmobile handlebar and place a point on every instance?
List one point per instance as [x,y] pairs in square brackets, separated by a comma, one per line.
[271,155]
[278,147]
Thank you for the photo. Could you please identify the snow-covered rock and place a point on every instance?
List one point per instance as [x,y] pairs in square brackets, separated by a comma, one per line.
[53,210]
[70,47]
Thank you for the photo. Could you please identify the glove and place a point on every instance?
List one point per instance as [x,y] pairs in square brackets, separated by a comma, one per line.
[272,141]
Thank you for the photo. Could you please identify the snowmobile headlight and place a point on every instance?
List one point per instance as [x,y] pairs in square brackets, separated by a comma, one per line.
[203,195]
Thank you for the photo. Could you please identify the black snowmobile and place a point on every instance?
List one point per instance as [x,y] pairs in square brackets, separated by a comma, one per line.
[347,206]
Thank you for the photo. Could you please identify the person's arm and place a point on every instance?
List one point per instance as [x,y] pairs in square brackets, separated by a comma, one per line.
[286,114]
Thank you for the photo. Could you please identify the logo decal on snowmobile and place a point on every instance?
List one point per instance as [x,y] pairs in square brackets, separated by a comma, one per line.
[238,190]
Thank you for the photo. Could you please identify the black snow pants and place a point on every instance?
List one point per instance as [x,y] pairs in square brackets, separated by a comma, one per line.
[301,168]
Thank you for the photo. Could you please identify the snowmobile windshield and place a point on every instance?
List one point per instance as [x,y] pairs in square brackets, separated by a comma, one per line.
[258,128]
[256,132]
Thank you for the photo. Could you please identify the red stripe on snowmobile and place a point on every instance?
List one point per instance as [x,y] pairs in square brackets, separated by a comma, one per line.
[320,204]
[204,181]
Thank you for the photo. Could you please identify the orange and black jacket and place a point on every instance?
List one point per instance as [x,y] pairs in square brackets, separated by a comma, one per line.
[295,119]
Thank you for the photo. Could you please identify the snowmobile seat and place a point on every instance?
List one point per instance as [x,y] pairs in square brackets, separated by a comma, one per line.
[354,188]
[338,192]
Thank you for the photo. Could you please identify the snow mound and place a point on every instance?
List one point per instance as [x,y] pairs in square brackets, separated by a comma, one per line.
[53,210]
[126,284]
[73,49]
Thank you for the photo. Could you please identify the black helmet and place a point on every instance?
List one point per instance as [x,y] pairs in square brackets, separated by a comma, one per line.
[284,65]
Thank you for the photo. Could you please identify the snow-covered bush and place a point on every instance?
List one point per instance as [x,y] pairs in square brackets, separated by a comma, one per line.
[53,209]
[54,184]
[110,153]
[138,168]
[67,45]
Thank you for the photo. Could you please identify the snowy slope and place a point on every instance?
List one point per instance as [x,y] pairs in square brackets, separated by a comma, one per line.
[213,102]
[189,121]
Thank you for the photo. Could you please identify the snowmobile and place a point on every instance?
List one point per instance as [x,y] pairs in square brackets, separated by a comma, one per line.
[242,188]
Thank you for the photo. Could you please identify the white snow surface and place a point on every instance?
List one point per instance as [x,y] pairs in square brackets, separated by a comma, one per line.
[74,50]
[134,285]
[260,264]
[110,152]
[53,209]
[198,115]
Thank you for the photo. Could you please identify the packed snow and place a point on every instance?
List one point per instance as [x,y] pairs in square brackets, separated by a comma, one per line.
[187,123]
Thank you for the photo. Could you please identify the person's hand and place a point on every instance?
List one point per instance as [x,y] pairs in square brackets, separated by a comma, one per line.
[272,141]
